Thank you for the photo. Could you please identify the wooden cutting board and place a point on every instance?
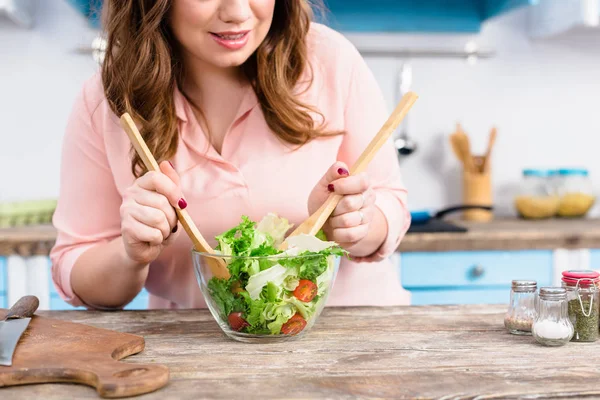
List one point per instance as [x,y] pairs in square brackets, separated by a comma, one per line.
[51,350]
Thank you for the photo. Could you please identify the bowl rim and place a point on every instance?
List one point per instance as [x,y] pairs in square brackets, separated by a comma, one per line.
[270,257]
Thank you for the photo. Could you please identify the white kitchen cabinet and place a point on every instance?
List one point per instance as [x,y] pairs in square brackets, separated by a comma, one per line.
[551,18]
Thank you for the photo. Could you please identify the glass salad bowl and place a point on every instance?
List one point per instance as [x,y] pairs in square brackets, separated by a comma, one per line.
[270,295]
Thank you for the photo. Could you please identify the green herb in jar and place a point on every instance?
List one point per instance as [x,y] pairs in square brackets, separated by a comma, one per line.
[585,321]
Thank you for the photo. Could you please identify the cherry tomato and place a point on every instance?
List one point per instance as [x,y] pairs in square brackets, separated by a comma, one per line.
[306,290]
[236,321]
[294,325]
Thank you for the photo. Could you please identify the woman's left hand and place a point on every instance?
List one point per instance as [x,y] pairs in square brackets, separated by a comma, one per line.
[351,219]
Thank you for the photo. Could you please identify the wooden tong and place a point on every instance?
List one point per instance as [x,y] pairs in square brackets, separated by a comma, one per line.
[217,265]
[315,222]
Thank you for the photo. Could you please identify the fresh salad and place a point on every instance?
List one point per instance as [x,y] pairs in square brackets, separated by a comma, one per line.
[275,295]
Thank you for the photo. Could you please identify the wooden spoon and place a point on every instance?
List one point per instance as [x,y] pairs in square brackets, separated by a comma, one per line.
[457,148]
[488,152]
[315,222]
[217,265]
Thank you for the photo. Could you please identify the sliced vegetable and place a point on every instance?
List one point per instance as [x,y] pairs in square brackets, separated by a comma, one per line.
[306,290]
[275,274]
[294,326]
[275,227]
[236,322]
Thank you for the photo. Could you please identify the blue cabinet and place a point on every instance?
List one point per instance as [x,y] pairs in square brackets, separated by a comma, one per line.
[453,16]
[595,259]
[462,16]
[471,277]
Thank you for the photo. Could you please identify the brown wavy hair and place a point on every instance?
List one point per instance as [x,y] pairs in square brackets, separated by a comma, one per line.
[141,69]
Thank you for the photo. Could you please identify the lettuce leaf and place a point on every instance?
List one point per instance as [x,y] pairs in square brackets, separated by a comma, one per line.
[276,274]
[274,226]
[305,309]
[226,301]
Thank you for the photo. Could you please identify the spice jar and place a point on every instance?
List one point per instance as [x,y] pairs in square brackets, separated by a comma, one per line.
[552,326]
[575,191]
[521,310]
[537,198]
[584,311]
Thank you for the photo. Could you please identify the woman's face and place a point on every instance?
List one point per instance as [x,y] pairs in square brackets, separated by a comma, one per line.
[222,33]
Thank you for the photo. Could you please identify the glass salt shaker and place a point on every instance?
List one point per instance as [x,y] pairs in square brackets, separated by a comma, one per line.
[583,297]
[552,326]
[522,308]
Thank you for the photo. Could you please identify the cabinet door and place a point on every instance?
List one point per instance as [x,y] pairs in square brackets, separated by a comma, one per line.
[471,277]
[595,259]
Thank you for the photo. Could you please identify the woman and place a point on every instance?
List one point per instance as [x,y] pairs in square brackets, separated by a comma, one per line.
[250,108]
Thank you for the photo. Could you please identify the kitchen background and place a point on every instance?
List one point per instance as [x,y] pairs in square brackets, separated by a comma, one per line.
[541,94]
[539,88]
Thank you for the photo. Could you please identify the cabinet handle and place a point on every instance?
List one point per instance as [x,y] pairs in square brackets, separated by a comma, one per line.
[477,271]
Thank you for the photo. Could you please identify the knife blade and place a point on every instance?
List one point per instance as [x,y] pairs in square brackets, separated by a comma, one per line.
[14,324]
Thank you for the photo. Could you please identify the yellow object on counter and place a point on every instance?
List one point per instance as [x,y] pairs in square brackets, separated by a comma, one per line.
[537,207]
[575,204]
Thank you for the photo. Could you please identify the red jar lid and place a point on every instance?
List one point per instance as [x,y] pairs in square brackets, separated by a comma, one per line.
[584,277]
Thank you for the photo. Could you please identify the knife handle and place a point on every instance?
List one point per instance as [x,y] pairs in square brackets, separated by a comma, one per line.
[24,308]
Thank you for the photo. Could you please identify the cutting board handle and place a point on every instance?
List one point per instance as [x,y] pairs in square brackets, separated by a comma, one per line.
[110,378]
[114,379]
[25,307]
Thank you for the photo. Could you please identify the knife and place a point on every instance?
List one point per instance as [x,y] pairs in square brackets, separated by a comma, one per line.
[13,326]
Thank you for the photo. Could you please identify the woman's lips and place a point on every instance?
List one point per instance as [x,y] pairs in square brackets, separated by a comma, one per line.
[231,40]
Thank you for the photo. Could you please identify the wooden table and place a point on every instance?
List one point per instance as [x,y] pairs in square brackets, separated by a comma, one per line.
[458,352]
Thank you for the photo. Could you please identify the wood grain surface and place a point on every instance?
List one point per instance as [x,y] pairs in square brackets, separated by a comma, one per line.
[437,352]
[60,351]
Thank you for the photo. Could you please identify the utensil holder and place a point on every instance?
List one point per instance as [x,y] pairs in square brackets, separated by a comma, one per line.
[477,190]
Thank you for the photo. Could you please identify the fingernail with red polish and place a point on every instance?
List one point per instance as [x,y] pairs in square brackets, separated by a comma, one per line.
[343,171]
[182,203]
[171,164]
[174,229]
[330,187]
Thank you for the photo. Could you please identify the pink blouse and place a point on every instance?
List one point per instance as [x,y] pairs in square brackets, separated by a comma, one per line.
[255,174]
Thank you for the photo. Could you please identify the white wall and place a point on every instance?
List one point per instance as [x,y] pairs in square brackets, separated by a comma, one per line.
[543,96]
[40,75]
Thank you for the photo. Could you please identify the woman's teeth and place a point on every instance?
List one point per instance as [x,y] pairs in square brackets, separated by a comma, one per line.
[231,37]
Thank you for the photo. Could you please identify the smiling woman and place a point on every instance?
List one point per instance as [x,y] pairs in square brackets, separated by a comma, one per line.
[250,108]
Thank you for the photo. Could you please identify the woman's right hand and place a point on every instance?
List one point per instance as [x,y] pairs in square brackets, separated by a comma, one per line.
[148,218]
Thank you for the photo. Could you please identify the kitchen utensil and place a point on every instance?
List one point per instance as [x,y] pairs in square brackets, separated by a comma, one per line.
[53,350]
[14,324]
[488,152]
[200,244]
[315,222]
[465,146]
[424,216]
[462,149]
[404,144]
[457,148]
[479,162]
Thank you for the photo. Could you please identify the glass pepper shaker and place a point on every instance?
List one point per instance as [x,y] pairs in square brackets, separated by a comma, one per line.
[522,308]
[552,326]
[582,295]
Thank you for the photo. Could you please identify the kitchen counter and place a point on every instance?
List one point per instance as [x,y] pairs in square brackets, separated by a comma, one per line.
[428,352]
[510,234]
[500,234]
